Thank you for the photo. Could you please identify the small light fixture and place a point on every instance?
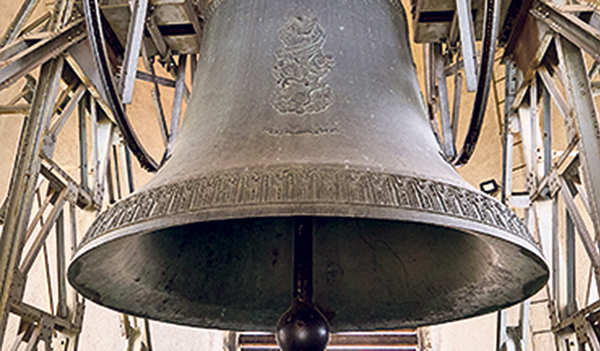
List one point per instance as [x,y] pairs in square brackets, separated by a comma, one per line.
[489,187]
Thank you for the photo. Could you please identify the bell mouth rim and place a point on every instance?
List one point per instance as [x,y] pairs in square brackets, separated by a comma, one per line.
[535,257]
[314,210]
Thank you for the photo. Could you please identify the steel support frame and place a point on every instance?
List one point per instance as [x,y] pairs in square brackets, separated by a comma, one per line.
[24,181]
[550,179]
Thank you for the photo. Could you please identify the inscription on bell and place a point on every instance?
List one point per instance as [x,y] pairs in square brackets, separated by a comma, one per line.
[301,68]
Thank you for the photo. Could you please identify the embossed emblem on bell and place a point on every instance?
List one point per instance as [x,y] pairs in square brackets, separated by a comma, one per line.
[301,67]
[307,115]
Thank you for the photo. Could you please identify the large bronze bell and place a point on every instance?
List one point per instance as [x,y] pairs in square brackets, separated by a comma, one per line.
[307,109]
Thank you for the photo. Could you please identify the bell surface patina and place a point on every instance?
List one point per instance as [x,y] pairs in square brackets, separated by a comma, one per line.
[307,108]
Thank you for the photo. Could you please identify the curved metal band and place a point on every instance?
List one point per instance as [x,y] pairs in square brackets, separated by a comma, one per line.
[97,42]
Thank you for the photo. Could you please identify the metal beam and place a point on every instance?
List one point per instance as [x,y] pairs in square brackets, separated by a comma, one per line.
[44,232]
[551,87]
[467,43]
[586,238]
[177,104]
[15,109]
[444,102]
[193,17]
[570,27]
[578,87]
[139,8]
[149,77]
[41,52]
[17,23]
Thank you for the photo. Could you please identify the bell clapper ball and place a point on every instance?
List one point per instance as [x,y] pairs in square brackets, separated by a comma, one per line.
[302,328]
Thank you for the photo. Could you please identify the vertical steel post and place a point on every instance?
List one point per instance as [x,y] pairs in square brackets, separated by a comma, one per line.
[444,102]
[139,9]
[83,151]
[177,103]
[467,43]
[61,265]
[578,86]
[507,158]
[571,269]
[507,140]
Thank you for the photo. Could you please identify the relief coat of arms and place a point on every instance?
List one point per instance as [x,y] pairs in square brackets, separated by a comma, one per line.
[301,67]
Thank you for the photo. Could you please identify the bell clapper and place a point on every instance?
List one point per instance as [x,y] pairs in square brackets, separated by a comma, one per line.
[303,327]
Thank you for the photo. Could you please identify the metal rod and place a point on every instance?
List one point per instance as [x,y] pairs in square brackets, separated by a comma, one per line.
[458,81]
[116,170]
[177,104]
[95,146]
[497,102]
[547,118]
[523,324]
[83,151]
[62,97]
[48,277]
[428,75]
[151,77]
[533,127]
[38,217]
[160,114]
[193,17]
[501,330]
[14,109]
[110,184]
[507,160]
[129,170]
[303,259]
[556,278]
[571,268]
[148,338]
[46,259]
[126,170]
[73,218]
[507,141]
[443,99]
[61,308]
[43,234]
[35,338]
[65,13]
[68,110]
[157,38]
[193,66]
[105,136]
[550,85]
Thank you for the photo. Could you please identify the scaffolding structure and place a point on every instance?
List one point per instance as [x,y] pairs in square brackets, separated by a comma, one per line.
[59,70]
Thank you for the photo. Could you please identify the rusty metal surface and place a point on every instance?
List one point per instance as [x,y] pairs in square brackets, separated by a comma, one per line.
[321,116]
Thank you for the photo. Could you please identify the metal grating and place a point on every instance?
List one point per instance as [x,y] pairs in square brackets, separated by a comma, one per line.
[398,340]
